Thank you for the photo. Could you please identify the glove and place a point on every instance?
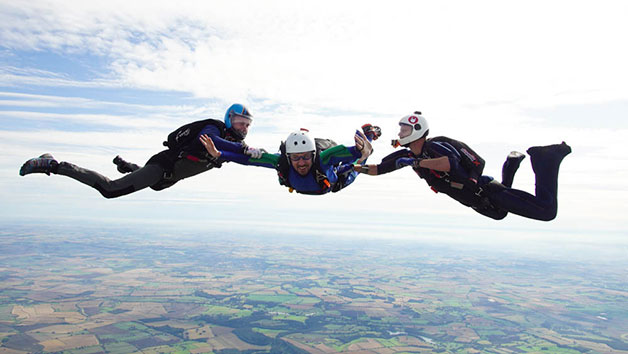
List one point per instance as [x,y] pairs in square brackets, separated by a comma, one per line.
[254,153]
[372,131]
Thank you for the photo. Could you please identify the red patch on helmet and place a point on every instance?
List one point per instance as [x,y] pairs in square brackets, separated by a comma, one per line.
[413,119]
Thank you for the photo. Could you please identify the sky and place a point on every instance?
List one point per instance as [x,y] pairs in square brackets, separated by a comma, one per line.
[87,81]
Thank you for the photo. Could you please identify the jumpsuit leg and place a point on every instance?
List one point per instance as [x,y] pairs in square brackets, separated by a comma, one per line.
[488,209]
[135,181]
[510,167]
[544,204]
[493,213]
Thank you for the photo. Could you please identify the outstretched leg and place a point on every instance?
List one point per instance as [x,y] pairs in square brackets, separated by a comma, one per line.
[137,180]
[132,182]
[544,205]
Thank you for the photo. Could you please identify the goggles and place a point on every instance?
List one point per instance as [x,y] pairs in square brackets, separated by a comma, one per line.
[304,157]
[240,119]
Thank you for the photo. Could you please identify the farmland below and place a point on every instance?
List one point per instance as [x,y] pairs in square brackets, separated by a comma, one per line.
[126,291]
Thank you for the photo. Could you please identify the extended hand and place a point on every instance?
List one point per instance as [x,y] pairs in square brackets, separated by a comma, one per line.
[209,145]
[254,153]
[363,145]
[363,169]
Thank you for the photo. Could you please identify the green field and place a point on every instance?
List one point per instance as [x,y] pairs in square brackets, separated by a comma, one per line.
[118,294]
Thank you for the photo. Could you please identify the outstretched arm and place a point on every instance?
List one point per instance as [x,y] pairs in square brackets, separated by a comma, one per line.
[266,160]
[392,162]
[223,144]
[363,145]
[341,154]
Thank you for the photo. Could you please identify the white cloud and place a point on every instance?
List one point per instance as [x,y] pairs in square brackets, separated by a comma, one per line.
[477,70]
[377,57]
[349,57]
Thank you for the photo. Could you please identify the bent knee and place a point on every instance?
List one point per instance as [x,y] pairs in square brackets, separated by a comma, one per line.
[109,194]
[549,215]
[495,214]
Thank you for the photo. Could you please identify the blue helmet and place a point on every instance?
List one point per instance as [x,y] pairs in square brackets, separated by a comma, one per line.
[235,110]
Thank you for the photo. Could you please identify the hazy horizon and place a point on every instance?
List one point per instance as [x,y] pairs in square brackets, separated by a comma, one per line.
[87,81]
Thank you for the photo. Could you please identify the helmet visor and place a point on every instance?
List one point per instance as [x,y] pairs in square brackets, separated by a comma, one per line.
[404,130]
[240,119]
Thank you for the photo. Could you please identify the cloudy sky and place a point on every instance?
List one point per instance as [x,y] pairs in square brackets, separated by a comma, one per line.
[86,81]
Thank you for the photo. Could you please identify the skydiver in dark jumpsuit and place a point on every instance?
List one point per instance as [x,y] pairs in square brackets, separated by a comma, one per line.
[450,167]
[163,169]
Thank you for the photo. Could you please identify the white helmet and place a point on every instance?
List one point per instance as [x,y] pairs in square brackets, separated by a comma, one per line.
[419,125]
[299,142]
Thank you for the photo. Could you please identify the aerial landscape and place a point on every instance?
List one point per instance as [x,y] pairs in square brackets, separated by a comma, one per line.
[112,242]
[87,290]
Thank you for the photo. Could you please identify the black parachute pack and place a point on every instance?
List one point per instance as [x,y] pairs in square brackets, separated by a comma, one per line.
[283,167]
[469,159]
[466,191]
[182,137]
[180,144]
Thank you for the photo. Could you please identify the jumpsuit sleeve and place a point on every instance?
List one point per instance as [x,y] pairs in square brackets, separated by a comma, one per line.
[221,144]
[445,149]
[267,160]
[339,154]
[389,163]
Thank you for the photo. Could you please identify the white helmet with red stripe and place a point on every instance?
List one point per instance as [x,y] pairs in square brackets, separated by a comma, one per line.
[420,129]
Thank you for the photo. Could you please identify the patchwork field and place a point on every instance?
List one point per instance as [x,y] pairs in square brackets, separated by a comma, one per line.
[79,292]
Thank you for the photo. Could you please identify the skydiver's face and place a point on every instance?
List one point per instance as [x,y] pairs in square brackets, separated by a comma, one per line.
[404,130]
[302,162]
[241,125]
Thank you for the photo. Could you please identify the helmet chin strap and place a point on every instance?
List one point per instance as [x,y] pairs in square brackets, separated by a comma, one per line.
[236,134]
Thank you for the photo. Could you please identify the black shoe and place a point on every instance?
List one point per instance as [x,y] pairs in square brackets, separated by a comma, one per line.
[122,166]
[42,164]
[516,156]
[556,150]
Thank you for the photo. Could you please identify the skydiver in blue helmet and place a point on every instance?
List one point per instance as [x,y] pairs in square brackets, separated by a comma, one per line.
[451,167]
[185,157]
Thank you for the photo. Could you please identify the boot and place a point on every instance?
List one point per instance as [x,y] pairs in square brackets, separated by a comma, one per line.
[513,161]
[556,151]
[124,166]
[42,164]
